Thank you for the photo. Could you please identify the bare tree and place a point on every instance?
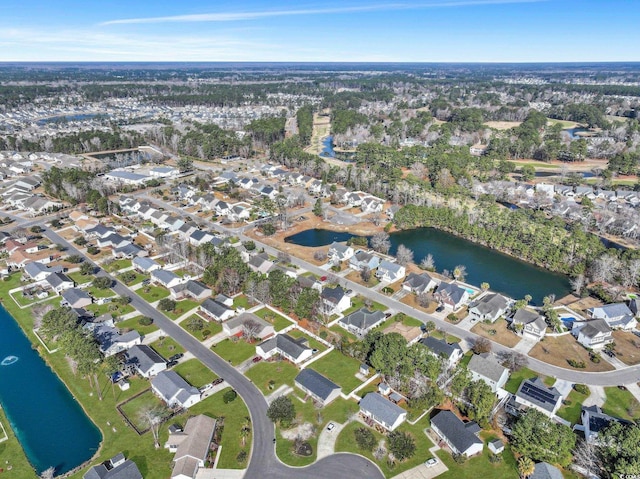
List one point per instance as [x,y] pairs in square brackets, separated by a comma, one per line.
[428,263]
[284,257]
[513,361]
[481,345]
[629,275]
[250,329]
[151,417]
[320,255]
[578,283]
[380,242]
[605,268]
[38,311]
[586,456]
[263,295]
[48,473]
[365,274]
[424,299]
[404,255]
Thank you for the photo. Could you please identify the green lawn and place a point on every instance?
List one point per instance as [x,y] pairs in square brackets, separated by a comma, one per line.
[313,343]
[346,443]
[621,404]
[139,278]
[340,369]
[81,278]
[466,358]
[152,292]
[24,301]
[166,347]
[241,302]
[11,451]
[450,338]
[212,327]
[357,302]
[409,321]
[234,415]
[118,264]
[279,322]
[339,411]
[112,308]
[132,408]
[343,332]
[181,308]
[280,372]
[100,293]
[234,351]
[480,467]
[195,373]
[134,323]
[517,377]
[572,407]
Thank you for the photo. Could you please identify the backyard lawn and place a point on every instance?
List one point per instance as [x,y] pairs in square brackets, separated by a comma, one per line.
[517,377]
[132,409]
[480,467]
[340,369]
[621,403]
[153,293]
[134,323]
[311,342]
[572,406]
[195,373]
[279,322]
[241,302]
[166,347]
[498,332]
[343,332]
[280,372]
[235,351]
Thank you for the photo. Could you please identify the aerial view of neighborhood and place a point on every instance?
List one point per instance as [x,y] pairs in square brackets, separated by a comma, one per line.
[358,268]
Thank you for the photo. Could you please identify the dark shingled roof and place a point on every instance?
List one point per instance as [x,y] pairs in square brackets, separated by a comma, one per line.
[439,346]
[459,434]
[381,408]
[316,383]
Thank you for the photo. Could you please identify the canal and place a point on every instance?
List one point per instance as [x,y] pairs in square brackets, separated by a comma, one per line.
[50,425]
[504,273]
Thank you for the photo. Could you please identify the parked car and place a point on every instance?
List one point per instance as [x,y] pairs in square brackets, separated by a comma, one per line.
[217,381]
[323,278]
[175,357]
[206,387]
[431,462]
[257,359]
[440,309]
[330,426]
[171,364]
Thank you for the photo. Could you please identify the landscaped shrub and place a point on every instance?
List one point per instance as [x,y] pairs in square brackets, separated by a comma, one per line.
[242,457]
[229,396]
[452,317]
[364,438]
[93,250]
[576,364]
[581,388]
[128,276]
[145,321]
[166,304]
[102,282]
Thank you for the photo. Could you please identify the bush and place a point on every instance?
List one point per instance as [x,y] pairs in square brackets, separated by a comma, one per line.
[460,458]
[242,457]
[93,250]
[145,321]
[195,324]
[283,411]
[101,282]
[364,438]
[166,304]
[452,317]
[402,445]
[268,229]
[205,333]
[581,389]
[576,364]
[495,458]
[128,276]
[229,396]
[74,258]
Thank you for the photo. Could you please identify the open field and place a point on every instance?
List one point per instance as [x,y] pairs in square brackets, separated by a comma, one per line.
[627,347]
[340,369]
[565,123]
[498,331]
[559,350]
[621,403]
[321,129]
[502,125]
[235,351]
[280,372]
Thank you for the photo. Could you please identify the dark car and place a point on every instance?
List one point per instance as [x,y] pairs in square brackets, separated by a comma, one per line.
[257,359]
[171,364]
[440,309]
[217,381]
[175,357]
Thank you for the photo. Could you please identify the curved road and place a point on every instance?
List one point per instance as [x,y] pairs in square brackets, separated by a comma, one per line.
[264,463]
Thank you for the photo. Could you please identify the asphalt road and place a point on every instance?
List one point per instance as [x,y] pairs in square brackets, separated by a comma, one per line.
[263,463]
[628,375]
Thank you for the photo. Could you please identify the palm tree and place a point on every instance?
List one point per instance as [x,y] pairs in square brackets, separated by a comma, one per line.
[429,326]
[245,430]
[484,287]
[525,467]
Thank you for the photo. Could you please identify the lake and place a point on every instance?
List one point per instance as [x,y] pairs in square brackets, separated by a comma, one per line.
[68,118]
[327,148]
[504,273]
[50,425]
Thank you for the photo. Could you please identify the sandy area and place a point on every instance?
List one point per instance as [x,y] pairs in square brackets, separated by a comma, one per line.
[502,125]
[304,431]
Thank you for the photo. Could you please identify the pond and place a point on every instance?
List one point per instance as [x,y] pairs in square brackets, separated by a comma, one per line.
[68,118]
[327,148]
[504,273]
[50,425]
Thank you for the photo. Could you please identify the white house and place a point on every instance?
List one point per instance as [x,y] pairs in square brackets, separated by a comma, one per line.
[533,325]
[192,446]
[382,411]
[451,353]
[371,204]
[127,178]
[534,393]
[145,360]
[295,350]
[452,295]
[321,389]
[339,252]
[335,300]
[163,172]
[216,310]
[362,321]
[236,326]
[594,334]
[174,390]
[168,279]
[144,265]
[489,307]
[617,315]
[485,367]
[461,437]
[390,272]
[419,283]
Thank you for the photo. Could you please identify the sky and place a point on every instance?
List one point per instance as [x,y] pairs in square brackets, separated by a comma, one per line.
[314,31]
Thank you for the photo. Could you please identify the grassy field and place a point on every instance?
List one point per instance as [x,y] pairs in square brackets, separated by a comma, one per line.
[11,452]
[118,264]
[213,327]
[279,322]
[340,369]
[181,308]
[153,293]
[241,302]
[166,347]
[139,278]
[311,342]
[100,293]
[112,308]
[517,377]
[343,332]
[480,467]
[621,403]
[280,372]
[234,351]
[357,302]
[572,407]
[195,373]
[132,409]
[134,323]
[565,123]
[498,331]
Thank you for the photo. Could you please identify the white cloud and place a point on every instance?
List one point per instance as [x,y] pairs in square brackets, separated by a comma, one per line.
[248,15]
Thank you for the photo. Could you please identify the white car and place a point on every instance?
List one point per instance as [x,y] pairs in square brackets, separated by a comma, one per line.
[330,426]
[431,462]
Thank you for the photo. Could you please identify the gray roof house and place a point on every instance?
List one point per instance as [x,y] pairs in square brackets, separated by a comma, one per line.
[116,468]
[215,310]
[533,325]
[362,321]
[363,259]
[191,446]
[144,265]
[109,338]
[544,470]
[38,271]
[452,295]
[452,353]
[594,421]
[419,283]
[335,300]
[192,289]
[174,390]
[460,437]
[390,272]
[75,298]
[145,360]
[59,282]
[490,306]
[339,252]
[166,278]
[260,263]
[321,389]
[485,367]
[594,334]
[534,393]
[235,326]
[382,411]
[295,350]
[617,315]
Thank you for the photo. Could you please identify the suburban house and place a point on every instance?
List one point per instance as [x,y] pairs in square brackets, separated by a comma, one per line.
[594,334]
[168,279]
[452,295]
[321,389]
[335,300]
[532,325]
[163,172]
[192,446]
[491,307]
[339,252]
[190,289]
[594,421]
[411,333]
[534,393]
[363,259]
[295,350]
[216,310]
[75,298]
[309,282]
[145,360]
[144,265]
[115,468]
[58,282]
[419,283]
[260,263]
[451,353]
[174,390]
[126,177]
[390,272]
[461,437]
[38,271]
[382,411]
[258,326]
[544,470]
[485,367]
[371,204]
[109,338]
[362,321]
[617,315]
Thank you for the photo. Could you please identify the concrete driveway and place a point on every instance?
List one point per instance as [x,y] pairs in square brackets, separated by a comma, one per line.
[424,472]
[327,440]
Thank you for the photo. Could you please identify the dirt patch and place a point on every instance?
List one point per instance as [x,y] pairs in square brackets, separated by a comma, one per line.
[559,350]
[410,299]
[305,431]
[627,347]
[502,125]
[498,332]
[356,278]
